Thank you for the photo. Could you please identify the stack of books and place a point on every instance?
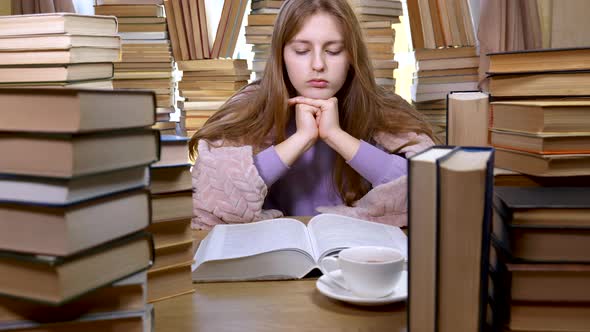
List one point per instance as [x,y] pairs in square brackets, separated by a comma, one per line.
[540,116]
[540,262]
[377,17]
[58,50]
[439,72]
[146,59]
[437,24]
[444,41]
[205,86]
[209,76]
[187,24]
[261,20]
[74,209]
[172,211]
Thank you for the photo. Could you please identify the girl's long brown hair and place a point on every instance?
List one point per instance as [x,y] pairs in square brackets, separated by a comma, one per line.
[260,109]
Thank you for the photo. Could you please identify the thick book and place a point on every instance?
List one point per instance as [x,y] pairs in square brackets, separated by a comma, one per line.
[543,165]
[169,282]
[63,230]
[55,191]
[56,73]
[151,36]
[173,151]
[445,53]
[285,248]
[92,85]
[464,213]
[58,23]
[149,10]
[172,206]
[548,282]
[167,179]
[542,143]
[468,118]
[422,237]
[548,316]
[171,233]
[451,63]
[72,155]
[546,241]
[129,294]
[174,253]
[57,42]
[72,55]
[57,280]
[559,207]
[536,116]
[540,60]
[212,64]
[133,320]
[262,19]
[575,83]
[72,110]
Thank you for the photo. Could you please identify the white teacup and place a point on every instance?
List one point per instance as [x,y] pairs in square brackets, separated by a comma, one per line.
[366,271]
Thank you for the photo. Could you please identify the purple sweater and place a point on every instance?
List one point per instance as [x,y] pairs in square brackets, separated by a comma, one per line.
[308,183]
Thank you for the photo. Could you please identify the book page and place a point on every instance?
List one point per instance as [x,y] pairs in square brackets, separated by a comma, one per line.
[330,233]
[241,240]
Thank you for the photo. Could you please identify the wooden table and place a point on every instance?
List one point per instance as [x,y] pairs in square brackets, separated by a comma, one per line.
[259,306]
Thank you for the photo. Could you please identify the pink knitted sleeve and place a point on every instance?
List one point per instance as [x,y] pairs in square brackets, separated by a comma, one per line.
[227,187]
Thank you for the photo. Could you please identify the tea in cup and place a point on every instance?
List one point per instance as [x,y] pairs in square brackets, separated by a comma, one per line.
[367,271]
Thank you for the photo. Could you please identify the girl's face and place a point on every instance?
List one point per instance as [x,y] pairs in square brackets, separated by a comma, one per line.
[316,60]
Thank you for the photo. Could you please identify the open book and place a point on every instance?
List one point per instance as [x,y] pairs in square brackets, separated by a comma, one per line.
[285,248]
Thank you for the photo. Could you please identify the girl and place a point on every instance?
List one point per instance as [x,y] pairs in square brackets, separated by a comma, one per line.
[315,134]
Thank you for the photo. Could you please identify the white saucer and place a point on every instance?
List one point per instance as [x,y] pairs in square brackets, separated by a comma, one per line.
[331,290]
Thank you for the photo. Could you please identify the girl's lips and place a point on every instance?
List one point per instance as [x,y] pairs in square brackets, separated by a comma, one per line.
[318,83]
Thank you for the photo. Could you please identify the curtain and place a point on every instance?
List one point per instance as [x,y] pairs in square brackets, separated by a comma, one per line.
[22,7]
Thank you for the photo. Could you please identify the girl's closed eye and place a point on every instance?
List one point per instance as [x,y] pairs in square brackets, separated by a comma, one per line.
[301,52]
[333,52]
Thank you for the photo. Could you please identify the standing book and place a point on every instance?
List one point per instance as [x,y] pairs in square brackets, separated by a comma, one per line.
[449,238]
[422,242]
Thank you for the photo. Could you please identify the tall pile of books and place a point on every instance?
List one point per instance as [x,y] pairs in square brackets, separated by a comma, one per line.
[376,19]
[146,59]
[261,20]
[74,209]
[540,131]
[540,262]
[540,120]
[209,76]
[58,50]
[446,58]
[172,211]
[206,85]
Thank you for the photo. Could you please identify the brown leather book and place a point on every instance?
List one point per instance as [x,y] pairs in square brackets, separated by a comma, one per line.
[125,295]
[71,155]
[57,280]
[74,227]
[58,23]
[74,111]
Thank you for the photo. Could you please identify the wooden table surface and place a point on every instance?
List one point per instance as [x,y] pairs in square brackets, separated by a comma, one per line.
[259,306]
